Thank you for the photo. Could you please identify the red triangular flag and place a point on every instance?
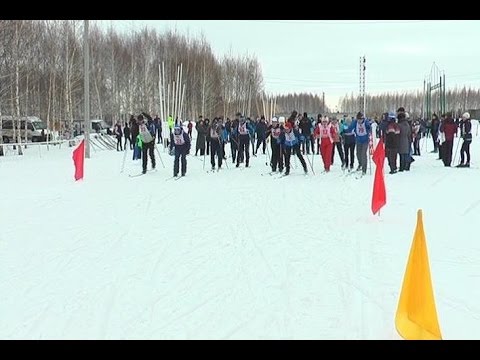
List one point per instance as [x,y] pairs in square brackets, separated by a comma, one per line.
[379,196]
[78,158]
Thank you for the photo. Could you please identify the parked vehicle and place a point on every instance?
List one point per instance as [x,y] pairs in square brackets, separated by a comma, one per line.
[36,129]
[97,126]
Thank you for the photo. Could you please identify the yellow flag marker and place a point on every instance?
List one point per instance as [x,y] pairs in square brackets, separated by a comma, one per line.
[416,317]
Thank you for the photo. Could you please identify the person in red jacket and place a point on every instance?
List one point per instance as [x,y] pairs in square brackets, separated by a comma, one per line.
[449,128]
[326,132]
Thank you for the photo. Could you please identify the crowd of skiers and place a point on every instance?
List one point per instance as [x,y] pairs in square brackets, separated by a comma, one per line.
[298,136]
[295,136]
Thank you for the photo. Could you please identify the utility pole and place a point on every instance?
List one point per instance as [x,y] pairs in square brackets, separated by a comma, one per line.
[362,99]
[86,82]
[323,102]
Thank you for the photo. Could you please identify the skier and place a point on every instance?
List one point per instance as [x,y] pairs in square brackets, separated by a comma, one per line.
[181,142]
[201,137]
[243,131]
[261,137]
[290,141]
[274,131]
[362,131]
[325,132]
[215,134]
[147,135]
[305,126]
[348,143]
[234,137]
[337,142]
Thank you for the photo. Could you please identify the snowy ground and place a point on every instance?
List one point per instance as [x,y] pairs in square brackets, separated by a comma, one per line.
[229,255]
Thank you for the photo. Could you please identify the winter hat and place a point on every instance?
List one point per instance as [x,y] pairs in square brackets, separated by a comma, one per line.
[466,115]
[274,119]
[281,119]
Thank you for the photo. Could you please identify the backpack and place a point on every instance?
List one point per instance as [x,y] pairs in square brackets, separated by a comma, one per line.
[179,139]
[145,134]
[242,129]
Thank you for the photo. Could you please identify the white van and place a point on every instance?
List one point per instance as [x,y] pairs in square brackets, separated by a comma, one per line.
[36,129]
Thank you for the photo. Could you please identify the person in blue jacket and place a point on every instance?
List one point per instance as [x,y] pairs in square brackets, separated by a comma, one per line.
[290,141]
[362,130]
[180,140]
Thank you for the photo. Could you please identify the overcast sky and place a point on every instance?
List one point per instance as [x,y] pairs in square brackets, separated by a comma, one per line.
[323,55]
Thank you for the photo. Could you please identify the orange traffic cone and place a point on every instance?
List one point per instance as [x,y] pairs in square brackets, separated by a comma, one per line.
[416,317]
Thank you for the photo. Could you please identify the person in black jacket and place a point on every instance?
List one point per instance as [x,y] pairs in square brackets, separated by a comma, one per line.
[274,131]
[133,130]
[306,128]
[158,128]
[261,131]
[214,131]
[126,133]
[435,126]
[181,141]
[147,134]
[234,137]
[466,133]
[392,141]
[207,124]
[119,134]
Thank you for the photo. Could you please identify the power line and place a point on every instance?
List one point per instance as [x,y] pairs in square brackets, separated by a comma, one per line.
[343,22]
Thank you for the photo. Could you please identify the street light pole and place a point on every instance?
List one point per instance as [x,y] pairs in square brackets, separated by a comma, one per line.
[86,82]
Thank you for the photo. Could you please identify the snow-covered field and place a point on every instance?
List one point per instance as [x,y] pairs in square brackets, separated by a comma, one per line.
[229,255]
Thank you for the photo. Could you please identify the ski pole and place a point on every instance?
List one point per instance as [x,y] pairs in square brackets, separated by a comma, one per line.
[123,162]
[160,156]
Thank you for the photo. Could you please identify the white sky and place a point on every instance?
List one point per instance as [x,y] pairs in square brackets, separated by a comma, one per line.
[323,55]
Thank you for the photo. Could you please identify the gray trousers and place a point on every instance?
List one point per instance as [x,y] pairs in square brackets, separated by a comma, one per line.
[362,156]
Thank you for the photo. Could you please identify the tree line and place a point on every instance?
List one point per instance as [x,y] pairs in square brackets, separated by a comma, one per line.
[458,100]
[41,73]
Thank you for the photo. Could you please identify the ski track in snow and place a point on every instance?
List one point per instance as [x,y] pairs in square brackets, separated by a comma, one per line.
[230,255]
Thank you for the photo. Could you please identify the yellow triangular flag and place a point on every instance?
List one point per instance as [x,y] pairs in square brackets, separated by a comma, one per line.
[416,317]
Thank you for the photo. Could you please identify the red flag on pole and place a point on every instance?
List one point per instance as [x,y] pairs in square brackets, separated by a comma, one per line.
[78,158]
[379,196]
